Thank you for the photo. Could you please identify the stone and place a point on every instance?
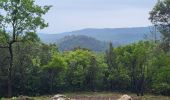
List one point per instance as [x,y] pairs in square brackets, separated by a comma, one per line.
[125,97]
[59,97]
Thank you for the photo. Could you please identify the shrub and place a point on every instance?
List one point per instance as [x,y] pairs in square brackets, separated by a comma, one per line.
[162,88]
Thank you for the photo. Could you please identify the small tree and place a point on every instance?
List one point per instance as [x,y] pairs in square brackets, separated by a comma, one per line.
[18,19]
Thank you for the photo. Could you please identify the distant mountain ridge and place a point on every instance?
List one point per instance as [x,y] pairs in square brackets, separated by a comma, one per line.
[115,35]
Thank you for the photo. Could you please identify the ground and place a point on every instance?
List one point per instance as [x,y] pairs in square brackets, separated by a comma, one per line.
[103,96]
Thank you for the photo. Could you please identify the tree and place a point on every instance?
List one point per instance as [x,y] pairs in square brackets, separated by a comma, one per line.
[132,62]
[94,74]
[160,73]
[110,59]
[54,68]
[22,18]
[85,70]
[78,62]
[160,17]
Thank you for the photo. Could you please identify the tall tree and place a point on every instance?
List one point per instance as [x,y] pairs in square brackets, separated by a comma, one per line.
[110,59]
[18,20]
[136,57]
[160,17]
[92,74]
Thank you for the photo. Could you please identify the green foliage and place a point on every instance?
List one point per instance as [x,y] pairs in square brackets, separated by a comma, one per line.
[18,23]
[83,69]
[129,64]
[34,68]
[161,74]
[41,69]
[159,16]
[160,62]
[53,70]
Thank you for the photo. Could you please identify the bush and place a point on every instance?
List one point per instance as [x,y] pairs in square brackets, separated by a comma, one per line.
[162,88]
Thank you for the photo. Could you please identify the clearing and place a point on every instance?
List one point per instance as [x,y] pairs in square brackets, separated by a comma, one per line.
[103,96]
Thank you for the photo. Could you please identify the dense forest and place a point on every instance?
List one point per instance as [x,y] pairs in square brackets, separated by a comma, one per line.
[30,67]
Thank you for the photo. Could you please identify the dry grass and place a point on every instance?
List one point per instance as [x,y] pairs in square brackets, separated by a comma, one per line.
[103,96]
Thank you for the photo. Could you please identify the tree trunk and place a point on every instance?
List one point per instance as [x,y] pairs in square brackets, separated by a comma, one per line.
[142,85]
[10,71]
[51,81]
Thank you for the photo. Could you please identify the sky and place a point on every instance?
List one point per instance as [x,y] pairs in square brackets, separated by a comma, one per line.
[69,15]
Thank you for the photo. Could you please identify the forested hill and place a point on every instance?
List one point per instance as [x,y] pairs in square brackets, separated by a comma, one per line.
[115,35]
[72,42]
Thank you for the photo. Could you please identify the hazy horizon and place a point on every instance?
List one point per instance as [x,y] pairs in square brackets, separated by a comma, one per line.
[41,32]
[70,15]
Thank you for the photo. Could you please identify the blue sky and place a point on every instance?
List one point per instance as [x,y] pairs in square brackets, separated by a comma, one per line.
[69,15]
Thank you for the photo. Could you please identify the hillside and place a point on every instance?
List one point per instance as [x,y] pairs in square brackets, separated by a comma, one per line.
[115,35]
[71,42]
